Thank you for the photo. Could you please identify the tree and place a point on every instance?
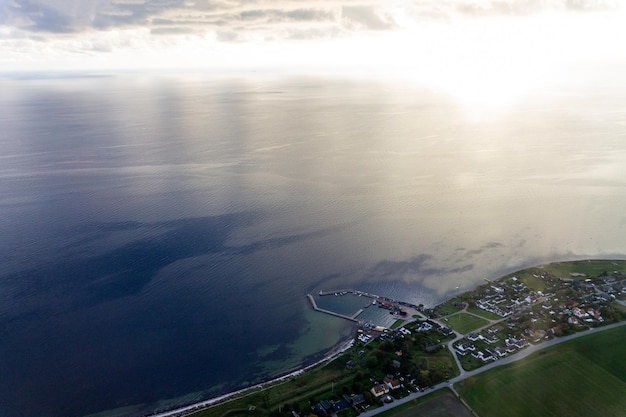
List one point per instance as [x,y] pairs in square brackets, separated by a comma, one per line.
[423,379]
[372,362]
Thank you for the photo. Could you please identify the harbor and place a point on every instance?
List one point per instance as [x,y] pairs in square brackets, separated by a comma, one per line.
[332,313]
[354,305]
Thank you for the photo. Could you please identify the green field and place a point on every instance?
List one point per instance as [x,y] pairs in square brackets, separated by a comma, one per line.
[572,269]
[591,268]
[584,377]
[449,307]
[483,313]
[464,323]
[441,403]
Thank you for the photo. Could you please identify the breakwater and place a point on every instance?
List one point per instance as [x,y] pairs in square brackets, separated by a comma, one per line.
[332,313]
[383,302]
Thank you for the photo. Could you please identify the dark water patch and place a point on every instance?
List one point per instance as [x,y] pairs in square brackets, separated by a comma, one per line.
[319,284]
[418,268]
[127,269]
[414,265]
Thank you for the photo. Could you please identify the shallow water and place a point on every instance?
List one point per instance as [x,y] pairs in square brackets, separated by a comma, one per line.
[158,234]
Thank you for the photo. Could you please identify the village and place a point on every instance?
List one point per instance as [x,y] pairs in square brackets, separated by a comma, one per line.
[495,320]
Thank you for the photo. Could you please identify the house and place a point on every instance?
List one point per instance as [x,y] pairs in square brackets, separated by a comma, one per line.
[392,383]
[354,400]
[486,356]
[379,390]
[424,327]
[490,338]
[464,347]
[340,405]
[323,408]
[446,331]
[501,351]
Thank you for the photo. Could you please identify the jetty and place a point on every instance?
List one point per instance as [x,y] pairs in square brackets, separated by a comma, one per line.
[394,306]
[332,313]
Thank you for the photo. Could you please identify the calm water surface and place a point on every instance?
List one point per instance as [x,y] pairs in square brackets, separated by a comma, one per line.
[158,234]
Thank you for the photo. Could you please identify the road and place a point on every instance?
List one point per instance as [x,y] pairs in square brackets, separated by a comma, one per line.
[183,411]
[466,374]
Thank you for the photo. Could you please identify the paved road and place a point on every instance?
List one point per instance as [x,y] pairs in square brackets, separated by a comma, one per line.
[466,374]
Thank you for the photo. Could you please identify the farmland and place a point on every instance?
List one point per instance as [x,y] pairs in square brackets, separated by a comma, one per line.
[583,377]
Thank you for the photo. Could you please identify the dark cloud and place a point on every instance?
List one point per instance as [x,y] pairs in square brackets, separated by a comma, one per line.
[237,19]
[119,13]
[279,16]
[39,16]
[77,15]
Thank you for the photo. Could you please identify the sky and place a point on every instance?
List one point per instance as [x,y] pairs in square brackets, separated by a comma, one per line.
[480,50]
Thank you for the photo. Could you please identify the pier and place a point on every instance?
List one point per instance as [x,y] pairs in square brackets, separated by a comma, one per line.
[394,306]
[332,313]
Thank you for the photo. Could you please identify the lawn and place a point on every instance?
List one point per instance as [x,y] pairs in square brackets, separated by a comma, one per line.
[584,377]
[397,323]
[449,307]
[441,403]
[531,281]
[483,313]
[591,268]
[465,323]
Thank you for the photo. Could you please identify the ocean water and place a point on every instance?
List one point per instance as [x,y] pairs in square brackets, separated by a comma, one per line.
[158,234]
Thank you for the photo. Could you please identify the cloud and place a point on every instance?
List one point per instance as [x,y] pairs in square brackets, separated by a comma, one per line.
[366,17]
[261,16]
[37,29]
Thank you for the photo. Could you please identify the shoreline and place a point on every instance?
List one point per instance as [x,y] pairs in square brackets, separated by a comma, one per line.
[333,353]
[337,350]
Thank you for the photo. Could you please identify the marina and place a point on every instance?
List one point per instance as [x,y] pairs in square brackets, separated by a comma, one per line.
[348,304]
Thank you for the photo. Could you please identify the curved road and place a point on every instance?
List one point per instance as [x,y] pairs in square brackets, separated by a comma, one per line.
[466,374]
[184,411]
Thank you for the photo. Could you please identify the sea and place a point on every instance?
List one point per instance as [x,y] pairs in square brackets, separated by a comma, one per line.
[159,232]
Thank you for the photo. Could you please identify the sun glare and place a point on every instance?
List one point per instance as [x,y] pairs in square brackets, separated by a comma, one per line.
[487,65]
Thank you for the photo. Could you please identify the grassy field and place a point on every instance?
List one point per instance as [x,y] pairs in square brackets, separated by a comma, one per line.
[584,377]
[297,390]
[570,270]
[441,403]
[482,313]
[449,307]
[464,323]
[591,268]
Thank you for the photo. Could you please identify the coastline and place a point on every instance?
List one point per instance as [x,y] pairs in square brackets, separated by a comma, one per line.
[333,353]
[346,344]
